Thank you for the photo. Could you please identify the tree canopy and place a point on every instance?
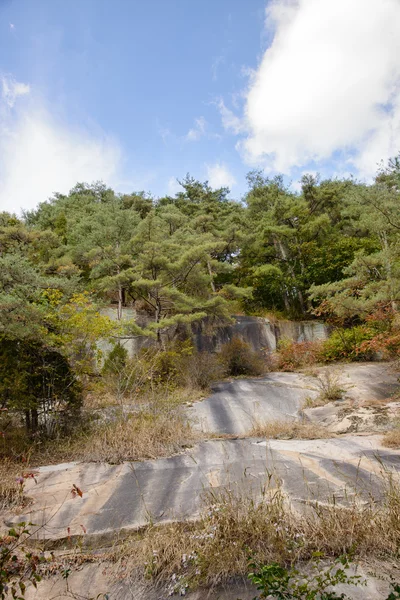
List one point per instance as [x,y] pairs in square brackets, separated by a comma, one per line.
[330,249]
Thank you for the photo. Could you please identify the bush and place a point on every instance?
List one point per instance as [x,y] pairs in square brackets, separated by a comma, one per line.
[116,360]
[347,344]
[296,355]
[154,371]
[239,359]
[200,369]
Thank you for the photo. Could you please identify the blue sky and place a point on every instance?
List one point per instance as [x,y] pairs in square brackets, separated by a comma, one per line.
[139,92]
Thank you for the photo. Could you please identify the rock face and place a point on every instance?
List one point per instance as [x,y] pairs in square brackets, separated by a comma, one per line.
[259,333]
[118,498]
[126,496]
[365,405]
[237,405]
[92,581]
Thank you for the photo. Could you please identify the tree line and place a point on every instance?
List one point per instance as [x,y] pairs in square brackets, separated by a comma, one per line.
[329,250]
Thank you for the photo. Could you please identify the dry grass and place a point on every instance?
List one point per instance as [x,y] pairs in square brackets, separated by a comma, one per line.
[391,439]
[328,387]
[153,431]
[233,527]
[288,430]
[139,437]
[11,491]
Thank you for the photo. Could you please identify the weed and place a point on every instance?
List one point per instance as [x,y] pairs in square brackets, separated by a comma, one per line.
[233,524]
[328,387]
[391,439]
[291,584]
[288,430]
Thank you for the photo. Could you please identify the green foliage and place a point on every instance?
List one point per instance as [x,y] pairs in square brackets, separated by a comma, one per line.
[239,359]
[18,565]
[39,385]
[315,583]
[331,250]
[116,360]
[347,344]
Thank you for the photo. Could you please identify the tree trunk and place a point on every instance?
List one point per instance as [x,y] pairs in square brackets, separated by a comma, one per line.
[284,257]
[120,303]
[388,268]
[211,276]
[158,318]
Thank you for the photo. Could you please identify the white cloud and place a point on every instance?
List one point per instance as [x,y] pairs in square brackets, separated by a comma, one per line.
[40,155]
[173,186]
[329,83]
[230,121]
[11,90]
[197,131]
[217,62]
[218,175]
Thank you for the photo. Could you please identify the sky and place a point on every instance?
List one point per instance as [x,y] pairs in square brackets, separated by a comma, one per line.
[138,93]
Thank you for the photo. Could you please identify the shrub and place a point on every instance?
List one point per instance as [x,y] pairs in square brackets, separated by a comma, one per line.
[116,360]
[200,369]
[239,359]
[347,344]
[328,384]
[181,365]
[296,355]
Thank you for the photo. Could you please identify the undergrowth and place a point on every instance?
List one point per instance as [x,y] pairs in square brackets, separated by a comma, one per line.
[288,430]
[234,525]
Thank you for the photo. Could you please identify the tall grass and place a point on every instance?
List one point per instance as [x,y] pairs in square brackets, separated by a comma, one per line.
[233,526]
[287,430]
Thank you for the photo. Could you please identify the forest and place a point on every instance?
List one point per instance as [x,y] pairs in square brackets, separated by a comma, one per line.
[75,270]
[329,251]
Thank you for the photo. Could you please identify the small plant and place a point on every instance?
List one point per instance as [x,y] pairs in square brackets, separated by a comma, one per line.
[18,566]
[239,359]
[329,389]
[283,583]
[328,384]
[395,593]
[116,360]
[391,439]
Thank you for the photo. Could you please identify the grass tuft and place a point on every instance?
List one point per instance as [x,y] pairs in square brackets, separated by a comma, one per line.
[391,439]
[288,430]
[233,526]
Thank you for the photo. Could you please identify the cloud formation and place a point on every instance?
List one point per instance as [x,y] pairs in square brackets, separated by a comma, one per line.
[328,85]
[40,155]
[197,131]
[12,89]
[218,175]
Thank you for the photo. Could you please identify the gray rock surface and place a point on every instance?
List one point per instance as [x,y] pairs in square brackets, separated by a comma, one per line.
[127,496]
[258,332]
[235,406]
[92,579]
[122,498]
